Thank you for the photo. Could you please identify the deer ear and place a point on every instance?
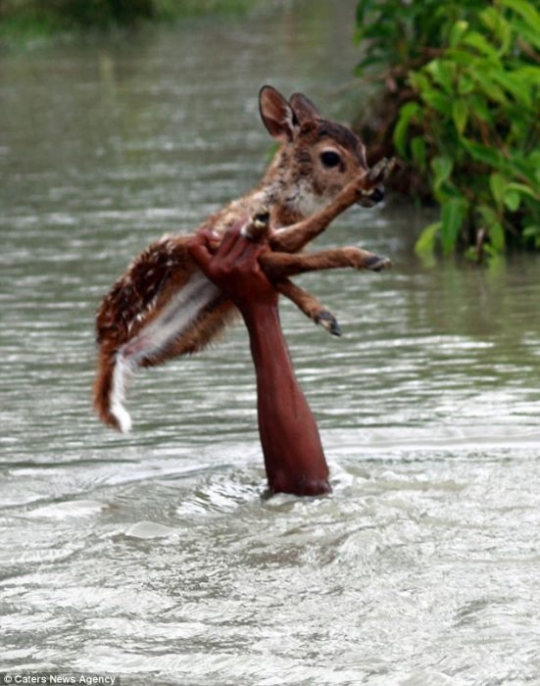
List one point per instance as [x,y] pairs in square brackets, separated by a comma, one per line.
[277,114]
[304,110]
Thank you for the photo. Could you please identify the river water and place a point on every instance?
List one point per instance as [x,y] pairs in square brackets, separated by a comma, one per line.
[155,557]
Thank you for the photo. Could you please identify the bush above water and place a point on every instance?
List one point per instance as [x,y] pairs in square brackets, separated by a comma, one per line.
[461,106]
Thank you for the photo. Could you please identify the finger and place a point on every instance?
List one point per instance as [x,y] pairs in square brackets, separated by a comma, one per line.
[236,247]
[248,255]
[251,250]
[230,238]
[199,251]
[212,240]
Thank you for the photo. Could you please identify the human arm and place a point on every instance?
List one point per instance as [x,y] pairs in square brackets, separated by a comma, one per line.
[293,454]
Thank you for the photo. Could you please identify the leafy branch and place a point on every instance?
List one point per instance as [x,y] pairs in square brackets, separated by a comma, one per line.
[468,117]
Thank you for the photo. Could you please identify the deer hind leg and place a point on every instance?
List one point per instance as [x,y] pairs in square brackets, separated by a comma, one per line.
[279,265]
[309,305]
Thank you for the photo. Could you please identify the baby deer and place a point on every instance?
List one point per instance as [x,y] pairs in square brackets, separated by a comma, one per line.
[163,306]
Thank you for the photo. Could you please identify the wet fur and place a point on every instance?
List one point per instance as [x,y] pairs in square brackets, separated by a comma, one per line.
[163,306]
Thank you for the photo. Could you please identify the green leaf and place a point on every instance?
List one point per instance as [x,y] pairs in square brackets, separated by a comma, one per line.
[527,34]
[461,56]
[483,75]
[480,108]
[512,200]
[425,245]
[465,83]
[493,19]
[406,114]
[452,215]
[482,45]
[532,233]
[497,184]
[442,168]
[437,101]
[419,151]
[442,72]
[524,190]
[497,237]
[526,10]
[488,214]
[515,84]
[494,227]
[458,29]
[419,81]
[460,114]
[481,153]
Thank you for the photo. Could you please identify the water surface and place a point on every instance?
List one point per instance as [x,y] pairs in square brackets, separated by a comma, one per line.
[155,557]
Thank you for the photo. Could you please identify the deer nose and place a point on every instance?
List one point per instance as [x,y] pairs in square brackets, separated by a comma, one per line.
[377,195]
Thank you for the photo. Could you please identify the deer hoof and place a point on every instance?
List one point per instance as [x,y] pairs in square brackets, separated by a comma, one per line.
[377,264]
[329,322]
[381,171]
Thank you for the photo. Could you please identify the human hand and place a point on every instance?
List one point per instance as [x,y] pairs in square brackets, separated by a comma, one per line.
[233,266]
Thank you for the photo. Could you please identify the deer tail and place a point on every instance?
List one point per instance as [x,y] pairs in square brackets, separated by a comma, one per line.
[114,373]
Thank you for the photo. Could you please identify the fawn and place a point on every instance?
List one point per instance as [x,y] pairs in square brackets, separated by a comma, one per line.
[163,306]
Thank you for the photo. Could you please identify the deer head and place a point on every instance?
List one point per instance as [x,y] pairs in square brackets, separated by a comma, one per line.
[317,157]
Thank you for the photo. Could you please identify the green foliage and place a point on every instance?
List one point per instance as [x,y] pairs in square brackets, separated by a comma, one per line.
[67,14]
[100,13]
[404,33]
[471,120]
[22,19]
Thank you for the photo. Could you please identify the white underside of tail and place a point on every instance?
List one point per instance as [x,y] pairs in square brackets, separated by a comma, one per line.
[168,326]
[121,375]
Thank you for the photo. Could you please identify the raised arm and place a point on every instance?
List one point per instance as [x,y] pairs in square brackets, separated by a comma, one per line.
[293,454]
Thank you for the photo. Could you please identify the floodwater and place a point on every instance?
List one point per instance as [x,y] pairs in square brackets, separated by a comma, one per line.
[155,557]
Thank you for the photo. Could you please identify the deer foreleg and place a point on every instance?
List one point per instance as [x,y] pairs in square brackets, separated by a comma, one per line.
[295,237]
[309,305]
[279,265]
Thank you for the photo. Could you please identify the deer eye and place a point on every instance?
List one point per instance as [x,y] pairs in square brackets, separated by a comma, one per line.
[330,159]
